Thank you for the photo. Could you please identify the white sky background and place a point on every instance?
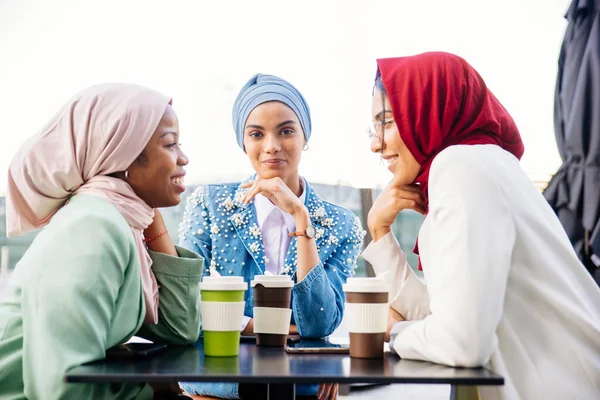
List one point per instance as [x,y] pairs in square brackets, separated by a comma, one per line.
[202,52]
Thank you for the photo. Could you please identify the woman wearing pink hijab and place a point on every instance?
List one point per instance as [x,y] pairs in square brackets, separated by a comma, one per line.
[103,268]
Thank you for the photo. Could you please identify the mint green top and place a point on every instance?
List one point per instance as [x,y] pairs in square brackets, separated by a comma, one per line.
[77,292]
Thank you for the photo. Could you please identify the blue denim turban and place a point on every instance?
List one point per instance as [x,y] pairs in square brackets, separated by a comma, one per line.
[261,89]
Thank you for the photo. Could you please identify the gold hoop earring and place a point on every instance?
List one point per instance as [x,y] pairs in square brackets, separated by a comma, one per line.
[305,147]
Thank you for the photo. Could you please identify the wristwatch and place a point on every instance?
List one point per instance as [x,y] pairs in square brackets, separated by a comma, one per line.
[310,232]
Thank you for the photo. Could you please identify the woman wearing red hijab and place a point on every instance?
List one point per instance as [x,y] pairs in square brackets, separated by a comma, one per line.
[502,285]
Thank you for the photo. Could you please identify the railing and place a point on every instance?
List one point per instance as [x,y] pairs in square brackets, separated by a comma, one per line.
[358,200]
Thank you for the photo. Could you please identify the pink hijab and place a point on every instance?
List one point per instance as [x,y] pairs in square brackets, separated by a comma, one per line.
[99,131]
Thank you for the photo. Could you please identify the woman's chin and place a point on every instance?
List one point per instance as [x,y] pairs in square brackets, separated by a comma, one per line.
[175,201]
[172,201]
[400,179]
[270,174]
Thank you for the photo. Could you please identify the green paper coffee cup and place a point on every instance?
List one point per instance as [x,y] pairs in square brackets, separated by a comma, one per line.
[222,310]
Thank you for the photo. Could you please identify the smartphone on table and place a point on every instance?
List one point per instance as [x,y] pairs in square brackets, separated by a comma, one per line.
[317,346]
[134,351]
[252,338]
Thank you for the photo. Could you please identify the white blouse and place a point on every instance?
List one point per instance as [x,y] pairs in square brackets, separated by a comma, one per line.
[275,228]
[502,284]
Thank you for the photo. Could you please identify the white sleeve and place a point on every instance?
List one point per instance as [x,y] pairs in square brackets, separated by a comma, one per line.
[245,321]
[466,253]
[408,294]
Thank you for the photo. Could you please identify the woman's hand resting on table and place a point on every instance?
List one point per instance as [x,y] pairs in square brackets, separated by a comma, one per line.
[393,318]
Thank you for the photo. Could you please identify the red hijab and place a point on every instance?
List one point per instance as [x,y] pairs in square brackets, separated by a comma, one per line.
[438,100]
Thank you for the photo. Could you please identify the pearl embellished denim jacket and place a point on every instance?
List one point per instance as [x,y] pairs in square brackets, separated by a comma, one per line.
[225,232]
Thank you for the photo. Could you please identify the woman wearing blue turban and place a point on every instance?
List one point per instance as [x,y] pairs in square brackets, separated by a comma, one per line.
[274,222]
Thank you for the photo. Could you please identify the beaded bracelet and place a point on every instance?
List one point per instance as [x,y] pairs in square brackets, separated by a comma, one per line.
[148,240]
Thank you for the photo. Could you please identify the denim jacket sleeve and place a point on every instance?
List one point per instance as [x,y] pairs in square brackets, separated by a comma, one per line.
[194,230]
[318,300]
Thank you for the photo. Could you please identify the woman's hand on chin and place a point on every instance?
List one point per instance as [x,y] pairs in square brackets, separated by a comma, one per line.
[277,192]
[388,205]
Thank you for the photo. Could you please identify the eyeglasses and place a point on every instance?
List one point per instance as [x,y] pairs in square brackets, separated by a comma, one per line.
[375,129]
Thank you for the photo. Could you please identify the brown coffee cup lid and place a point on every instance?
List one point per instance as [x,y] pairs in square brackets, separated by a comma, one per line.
[366,285]
[272,281]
